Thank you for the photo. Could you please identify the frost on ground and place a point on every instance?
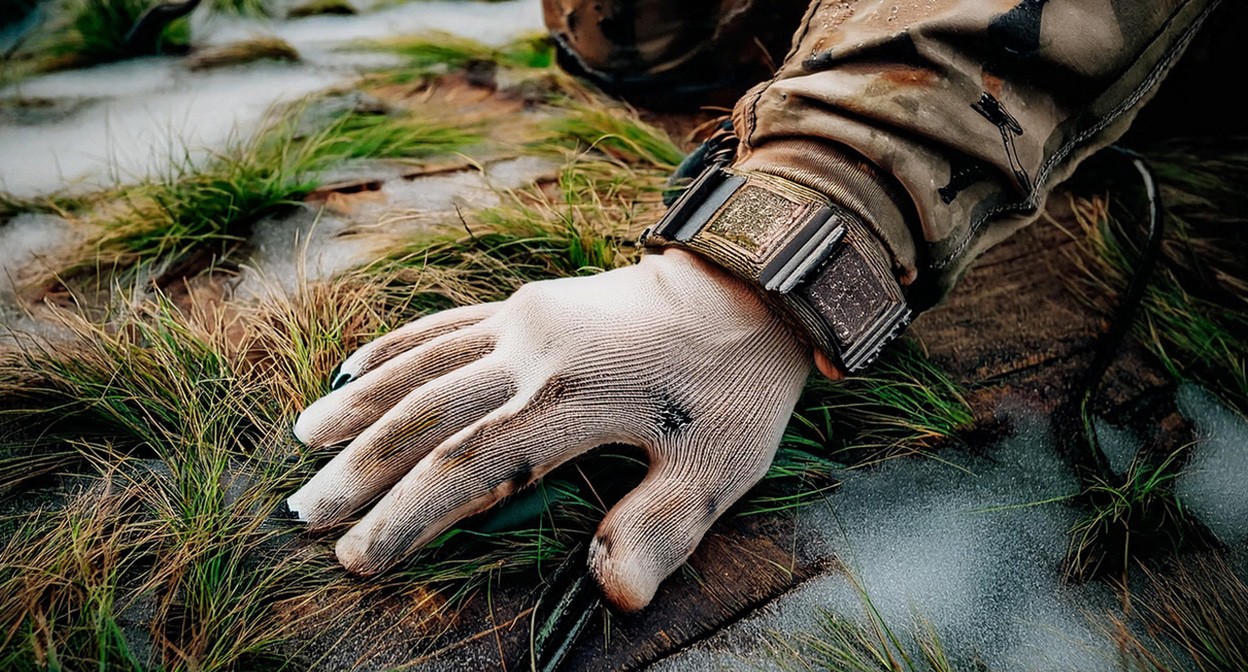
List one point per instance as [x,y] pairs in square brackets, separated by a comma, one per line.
[493,23]
[315,243]
[1214,486]
[1119,444]
[974,546]
[131,120]
[25,241]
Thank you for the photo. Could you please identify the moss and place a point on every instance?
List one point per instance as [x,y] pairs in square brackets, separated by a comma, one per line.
[248,51]
[321,7]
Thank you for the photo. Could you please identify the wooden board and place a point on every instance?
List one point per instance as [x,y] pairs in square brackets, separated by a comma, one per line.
[1012,327]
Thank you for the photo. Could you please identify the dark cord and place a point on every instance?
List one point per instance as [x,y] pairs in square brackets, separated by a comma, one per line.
[1080,431]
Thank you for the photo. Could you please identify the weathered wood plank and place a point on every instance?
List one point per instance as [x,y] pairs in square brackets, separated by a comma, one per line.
[1013,326]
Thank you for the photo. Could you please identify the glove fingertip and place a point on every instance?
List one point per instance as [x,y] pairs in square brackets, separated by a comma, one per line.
[302,429]
[353,366]
[309,426]
[625,582]
[355,554]
[290,509]
[338,377]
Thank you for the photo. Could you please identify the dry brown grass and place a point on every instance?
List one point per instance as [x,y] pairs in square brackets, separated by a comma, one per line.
[1189,614]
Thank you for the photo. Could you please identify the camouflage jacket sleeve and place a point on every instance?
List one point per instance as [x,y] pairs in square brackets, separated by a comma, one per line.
[944,124]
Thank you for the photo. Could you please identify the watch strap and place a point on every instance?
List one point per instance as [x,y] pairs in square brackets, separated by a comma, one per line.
[813,260]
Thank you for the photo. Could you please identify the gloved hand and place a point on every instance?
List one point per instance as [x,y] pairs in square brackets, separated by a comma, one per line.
[462,408]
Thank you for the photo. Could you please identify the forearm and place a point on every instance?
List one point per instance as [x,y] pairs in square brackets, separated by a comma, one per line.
[944,129]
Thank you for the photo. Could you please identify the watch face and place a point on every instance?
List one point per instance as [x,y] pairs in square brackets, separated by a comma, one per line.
[858,298]
[754,218]
[848,295]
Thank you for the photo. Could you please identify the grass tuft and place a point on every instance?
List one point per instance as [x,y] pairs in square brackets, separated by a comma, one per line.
[322,8]
[176,418]
[170,556]
[1140,507]
[81,33]
[907,404]
[239,7]
[617,133]
[438,52]
[1191,318]
[1193,315]
[87,32]
[1195,330]
[871,644]
[586,221]
[12,206]
[212,204]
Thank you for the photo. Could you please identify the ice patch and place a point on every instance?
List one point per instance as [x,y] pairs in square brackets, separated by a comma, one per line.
[1119,444]
[25,241]
[493,23]
[1214,484]
[962,544]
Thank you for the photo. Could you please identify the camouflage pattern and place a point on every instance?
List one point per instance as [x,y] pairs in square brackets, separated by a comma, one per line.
[967,112]
[668,53]
[943,124]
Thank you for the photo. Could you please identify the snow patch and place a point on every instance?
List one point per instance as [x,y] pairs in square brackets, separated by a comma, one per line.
[315,243]
[494,23]
[25,241]
[149,113]
[972,545]
[1119,444]
[1214,484]
[141,115]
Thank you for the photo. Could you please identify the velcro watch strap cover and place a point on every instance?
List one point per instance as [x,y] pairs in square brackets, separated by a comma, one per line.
[812,259]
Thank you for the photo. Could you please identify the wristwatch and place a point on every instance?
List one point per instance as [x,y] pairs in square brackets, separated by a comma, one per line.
[813,260]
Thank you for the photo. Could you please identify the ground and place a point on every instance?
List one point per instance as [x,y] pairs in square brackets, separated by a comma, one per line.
[190,244]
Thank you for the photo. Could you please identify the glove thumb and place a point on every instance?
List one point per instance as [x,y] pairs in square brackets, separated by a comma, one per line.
[654,529]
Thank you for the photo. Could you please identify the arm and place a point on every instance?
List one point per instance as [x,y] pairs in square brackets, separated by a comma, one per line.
[945,128]
[917,140]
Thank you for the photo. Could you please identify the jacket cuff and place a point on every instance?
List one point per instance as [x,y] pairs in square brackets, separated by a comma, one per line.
[850,181]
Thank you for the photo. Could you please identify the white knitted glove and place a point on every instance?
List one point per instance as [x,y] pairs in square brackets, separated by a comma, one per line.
[462,408]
